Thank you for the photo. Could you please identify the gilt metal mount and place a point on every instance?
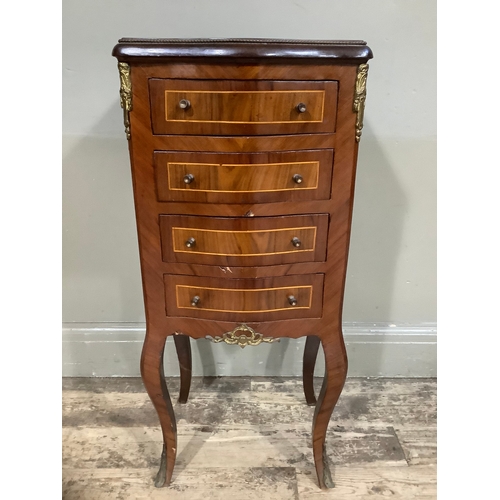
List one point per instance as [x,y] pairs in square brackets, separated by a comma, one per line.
[359,98]
[242,340]
[125,94]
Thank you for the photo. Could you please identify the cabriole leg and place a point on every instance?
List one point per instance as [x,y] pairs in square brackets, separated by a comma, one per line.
[310,355]
[183,347]
[154,381]
[333,382]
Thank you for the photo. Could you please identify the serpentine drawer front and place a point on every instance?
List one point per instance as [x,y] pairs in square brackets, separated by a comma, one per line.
[242,107]
[245,300]
[243,156]
[244,177]
[244,241]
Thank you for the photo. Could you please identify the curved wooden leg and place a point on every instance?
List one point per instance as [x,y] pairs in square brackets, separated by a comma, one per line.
[335,374]
[310,355]
[183,347]
[154,381]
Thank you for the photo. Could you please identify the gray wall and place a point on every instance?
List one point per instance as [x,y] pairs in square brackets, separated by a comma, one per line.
[391,285]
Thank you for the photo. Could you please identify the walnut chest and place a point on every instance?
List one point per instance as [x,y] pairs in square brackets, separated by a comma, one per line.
[243,157]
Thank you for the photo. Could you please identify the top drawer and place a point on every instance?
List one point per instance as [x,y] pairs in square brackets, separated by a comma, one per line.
[241,107]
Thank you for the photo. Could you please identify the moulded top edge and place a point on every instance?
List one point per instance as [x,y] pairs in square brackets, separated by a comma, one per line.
[130,49]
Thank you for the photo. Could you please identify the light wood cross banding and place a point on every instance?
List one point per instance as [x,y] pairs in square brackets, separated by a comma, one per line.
[243,157]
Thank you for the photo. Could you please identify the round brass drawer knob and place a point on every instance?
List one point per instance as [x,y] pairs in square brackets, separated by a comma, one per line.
[184,104]
[298,179]
[301,107]
[195,301]
[188,179]
[190,243]
[296,242]
[292,300]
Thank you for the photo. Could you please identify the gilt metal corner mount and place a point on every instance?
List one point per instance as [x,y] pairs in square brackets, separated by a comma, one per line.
[125,94]
[359,98]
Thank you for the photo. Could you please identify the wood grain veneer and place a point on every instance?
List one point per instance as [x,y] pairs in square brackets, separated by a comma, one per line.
[240,107]
[244,300]
[264,177]
[241,137]
[244,241]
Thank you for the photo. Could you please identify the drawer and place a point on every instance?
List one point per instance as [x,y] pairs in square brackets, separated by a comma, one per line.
[242,107]
[244,241]
[244,177]
[246,300]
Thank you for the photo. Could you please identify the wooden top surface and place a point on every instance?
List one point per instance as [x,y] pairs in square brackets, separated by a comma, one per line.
[136,49]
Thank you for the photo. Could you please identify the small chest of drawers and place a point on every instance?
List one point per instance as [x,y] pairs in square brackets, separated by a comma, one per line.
[243,157]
